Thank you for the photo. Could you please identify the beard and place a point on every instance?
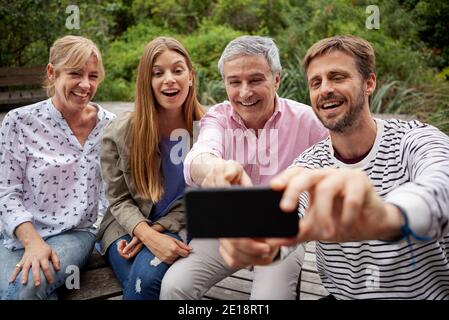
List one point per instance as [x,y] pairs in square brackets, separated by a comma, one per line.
[348,119]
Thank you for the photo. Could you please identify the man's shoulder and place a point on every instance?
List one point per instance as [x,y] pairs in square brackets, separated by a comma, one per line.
[295,106]
[403,128]
[223,108]
[315,155]
[220,112]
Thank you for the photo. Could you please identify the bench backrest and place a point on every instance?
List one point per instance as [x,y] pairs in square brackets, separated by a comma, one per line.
[20,76]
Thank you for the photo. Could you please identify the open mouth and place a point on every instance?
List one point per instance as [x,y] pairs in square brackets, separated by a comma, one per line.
[170,93]
[248,103]
[80,94]
[331,104]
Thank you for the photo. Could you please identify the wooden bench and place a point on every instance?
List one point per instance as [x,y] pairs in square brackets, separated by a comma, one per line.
[21,86]
[99,283]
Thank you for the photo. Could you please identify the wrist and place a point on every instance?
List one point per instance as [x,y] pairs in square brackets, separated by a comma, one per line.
[395,220]
[144,232]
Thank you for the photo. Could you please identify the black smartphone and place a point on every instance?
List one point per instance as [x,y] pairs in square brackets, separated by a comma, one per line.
[238,212]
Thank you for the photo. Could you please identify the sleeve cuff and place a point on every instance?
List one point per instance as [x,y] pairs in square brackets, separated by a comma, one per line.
[417,211]
[11,227]
[189,158]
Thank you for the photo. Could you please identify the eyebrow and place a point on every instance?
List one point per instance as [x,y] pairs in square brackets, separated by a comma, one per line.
[175,63]
[257,74]
[330,73]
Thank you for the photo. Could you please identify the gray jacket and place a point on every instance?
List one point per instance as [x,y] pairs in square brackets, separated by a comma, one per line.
[126,207]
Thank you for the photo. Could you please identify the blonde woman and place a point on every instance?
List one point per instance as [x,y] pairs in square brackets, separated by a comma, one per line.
[50,179]
[144,174]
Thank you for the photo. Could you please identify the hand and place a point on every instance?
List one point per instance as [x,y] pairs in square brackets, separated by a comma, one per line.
[225,173]
[166,248]
[243,252]
[129,250]
[38,255]
[343,206]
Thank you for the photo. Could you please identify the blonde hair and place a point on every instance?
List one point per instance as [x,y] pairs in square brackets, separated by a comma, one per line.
[144,153]
[72,52]
[360,49]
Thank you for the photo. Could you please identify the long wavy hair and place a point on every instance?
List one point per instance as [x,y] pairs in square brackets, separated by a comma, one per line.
[145,162]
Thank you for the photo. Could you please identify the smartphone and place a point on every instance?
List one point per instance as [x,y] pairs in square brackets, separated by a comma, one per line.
[238,212]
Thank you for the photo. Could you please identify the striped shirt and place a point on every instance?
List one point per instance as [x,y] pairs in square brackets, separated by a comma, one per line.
[408,166]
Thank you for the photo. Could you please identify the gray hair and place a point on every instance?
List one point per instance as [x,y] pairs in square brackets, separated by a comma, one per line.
[251,45]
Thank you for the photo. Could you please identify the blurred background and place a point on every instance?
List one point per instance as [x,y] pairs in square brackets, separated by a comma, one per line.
[411,42]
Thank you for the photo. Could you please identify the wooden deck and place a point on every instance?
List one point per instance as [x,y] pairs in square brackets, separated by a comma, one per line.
[99,282]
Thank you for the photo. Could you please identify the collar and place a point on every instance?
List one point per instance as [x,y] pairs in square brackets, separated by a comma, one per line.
[278,109]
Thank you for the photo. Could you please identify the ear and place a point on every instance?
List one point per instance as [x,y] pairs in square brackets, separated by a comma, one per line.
[277,80]
[370,84]
[191,77]
[51,73]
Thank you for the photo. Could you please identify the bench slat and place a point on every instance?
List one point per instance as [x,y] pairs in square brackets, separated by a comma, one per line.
[96,284]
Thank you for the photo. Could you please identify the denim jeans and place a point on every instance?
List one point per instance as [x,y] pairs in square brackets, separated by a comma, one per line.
[73,249]
[141,276]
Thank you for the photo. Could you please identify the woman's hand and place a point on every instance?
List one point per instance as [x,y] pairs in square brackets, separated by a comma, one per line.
[38,255]
[129,250]
[164,247]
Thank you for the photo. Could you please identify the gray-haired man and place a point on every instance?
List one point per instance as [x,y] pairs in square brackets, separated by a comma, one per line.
[265,124]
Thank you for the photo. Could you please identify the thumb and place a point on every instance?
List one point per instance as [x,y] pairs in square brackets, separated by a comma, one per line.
[183,245]
[245,180]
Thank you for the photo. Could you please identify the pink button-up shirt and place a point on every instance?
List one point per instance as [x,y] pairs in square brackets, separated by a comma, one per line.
[291,129]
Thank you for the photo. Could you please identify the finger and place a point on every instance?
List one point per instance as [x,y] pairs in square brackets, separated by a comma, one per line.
[45,265]
[130,246]
[280,181]
[245,247]
[231,261]
[25,270]
[308,230]
[232,170]
[121,245]
[207,180]
[235,258]
[36,271]
[15,272]
[245,180]
[354,195]
[181,250]
[120,252]
[184,245]
[55,260]
[302,181]
[221,181]
[134,251]
[326,193]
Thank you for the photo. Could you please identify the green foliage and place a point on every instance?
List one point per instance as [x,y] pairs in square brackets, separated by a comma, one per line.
[206,45]
[29,27]
[122,58]
[180,16]
[251,16]
[412,44]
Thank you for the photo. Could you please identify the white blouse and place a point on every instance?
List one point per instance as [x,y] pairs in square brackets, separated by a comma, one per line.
[46,176]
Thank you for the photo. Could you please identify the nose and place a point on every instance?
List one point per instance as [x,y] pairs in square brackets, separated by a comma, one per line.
[84,84]
[245,91]
[168,78]
[326,87]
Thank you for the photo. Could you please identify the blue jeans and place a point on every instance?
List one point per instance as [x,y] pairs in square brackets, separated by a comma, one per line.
[73,249]
[141,276]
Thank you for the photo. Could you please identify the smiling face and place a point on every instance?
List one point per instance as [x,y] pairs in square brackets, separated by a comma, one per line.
[338,93]
[251,88]
[74,87]
[171,80]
